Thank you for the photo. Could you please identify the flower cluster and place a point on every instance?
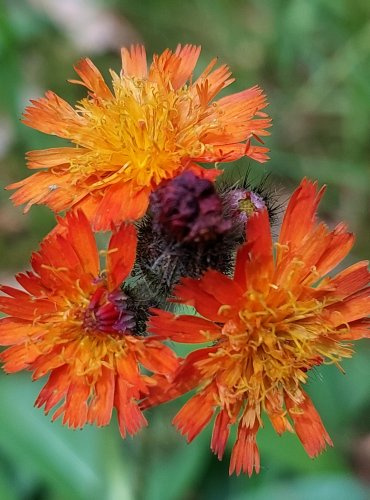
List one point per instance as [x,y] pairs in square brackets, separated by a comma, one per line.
[97,321]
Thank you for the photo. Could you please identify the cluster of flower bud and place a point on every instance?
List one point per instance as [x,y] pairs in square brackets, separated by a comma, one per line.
[192,225]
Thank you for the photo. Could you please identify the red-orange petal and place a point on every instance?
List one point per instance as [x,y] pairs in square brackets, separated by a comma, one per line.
[26,309]
[92,79]
[182,328]
[120,204]
[189,292]
[19,357]
[31,283]
[173,69]
[55,191]
[48,362]
[274,408]
[353,308]
[101,405]
[80,236]
[300,214]
[121,255]
[75,406]
[357,330]
[160,391]
[349,280]
[195,414]
[245,455]
[130,418]
[50,114]
[308,425]
[225,290]
[55,389]
[53,157]
[257,153]
[210,174]
[254,260]
[209,83]
[157,357]
[259,238]
[134,61]
[128,370]
[220,435]
[186,378]
[14,331]
[339,245]
[189,55]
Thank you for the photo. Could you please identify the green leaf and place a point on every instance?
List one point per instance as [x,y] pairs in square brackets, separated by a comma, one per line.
[7,490]
[65,460]
[321,487]
[171,464]
[286,453]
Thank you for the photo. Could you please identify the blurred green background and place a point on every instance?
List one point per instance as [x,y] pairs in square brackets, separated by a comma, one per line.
[312,59]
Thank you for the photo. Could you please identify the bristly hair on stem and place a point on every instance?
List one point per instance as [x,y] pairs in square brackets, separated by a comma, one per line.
[140,298]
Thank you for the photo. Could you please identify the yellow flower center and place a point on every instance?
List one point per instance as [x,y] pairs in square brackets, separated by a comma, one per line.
[272,343]
[247,206]
[143,134]
[87,331]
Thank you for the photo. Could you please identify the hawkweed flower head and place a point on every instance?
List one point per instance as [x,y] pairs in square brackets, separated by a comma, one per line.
[73,322]
[153,124]
[267,327]
[243,203]
[242,197]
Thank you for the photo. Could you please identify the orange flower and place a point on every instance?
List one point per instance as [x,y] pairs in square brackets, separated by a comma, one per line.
[151,127]
[269,326]
[73,322]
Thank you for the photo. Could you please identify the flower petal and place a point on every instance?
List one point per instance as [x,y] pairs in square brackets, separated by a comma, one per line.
[188,55]
[354,307]
[182,328]
[78,233]
[54,390]
[75,408]
[190,293]
[220,435]
[356,330]
[245,456]
[350,280]
[157,357]
[46,188]
[121,255]
[300,215]
[120,204]
[50,115]
[195,414]
[14,331]
[101,405]
[130,418]
[308,425]
[92,79]
[225,290]
[134,61]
